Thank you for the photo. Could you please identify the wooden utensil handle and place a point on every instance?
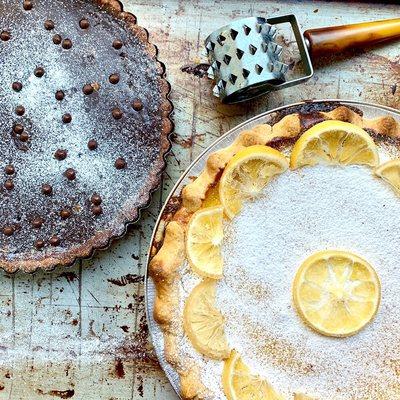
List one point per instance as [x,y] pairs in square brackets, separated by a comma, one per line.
[325,41]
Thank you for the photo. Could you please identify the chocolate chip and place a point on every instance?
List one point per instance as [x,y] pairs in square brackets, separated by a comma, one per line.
[54,241]
[9,169]
[70,174]
[84,23]
[39,72]
[67,118]
[17,86]
[60,154]
[9,184]
[49,24]
[117,44]
[66,44]
[97,210]
[92,144]
[8,230]
[57,39]
[65,213]
[23,137]
[96,199]
[60,95]
[120,163]
[117,113]
[137,105]
[27,5]
[114,79]
[37,222]
[39,244]
[5,36]
[20,110]
[47,189]
[87,89]
[18,129]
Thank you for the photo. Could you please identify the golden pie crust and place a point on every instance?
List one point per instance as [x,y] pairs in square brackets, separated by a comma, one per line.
[168,249]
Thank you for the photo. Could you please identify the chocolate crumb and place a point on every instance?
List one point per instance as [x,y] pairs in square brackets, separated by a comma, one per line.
[39,244]
[54,240]
[47,189]
[96,199]
[84,23]
[9,169]
[20,110]
[49,25]
[70,173]
[39,72]
[9,184]
[87,89]
[8,230]
[60,154]
[92,144]
[67,118]
[114,79]
[37,222]
[57,39]
[65,213]
[60,95]
[117,44]
[5,36]
[97,210]
[137,105]
[120,163]
[117,113]
[66,44]
[27,5]
[17,86]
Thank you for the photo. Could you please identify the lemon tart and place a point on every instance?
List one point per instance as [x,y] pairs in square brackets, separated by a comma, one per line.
[276,270]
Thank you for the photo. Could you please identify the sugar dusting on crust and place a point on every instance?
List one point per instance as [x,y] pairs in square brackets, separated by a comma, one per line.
[135,137]
[299,213]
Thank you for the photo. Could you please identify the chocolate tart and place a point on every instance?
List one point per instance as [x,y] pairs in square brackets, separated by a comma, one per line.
[85,119]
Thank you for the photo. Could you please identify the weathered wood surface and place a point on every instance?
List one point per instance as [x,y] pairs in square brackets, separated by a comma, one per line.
[81,333]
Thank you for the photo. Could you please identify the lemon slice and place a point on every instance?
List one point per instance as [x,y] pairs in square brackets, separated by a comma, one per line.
[204,240]
[300,396]
[337,293]
[334,142]
[246,174]
[390,172]
[240,384]
[203,323]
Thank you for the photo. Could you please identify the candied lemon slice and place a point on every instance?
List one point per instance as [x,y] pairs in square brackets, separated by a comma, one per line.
[204,239]
[390,172]
[212,197]
[203,323]
[334,142]
[337,293]
[300,396]
[240,384]
[246,174]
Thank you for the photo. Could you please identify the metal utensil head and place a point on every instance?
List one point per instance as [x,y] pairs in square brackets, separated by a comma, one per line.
[246,61]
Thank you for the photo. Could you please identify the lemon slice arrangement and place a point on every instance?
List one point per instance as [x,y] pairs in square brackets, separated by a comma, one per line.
[335,293]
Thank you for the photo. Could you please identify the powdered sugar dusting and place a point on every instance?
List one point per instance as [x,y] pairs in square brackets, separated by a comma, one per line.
[299,213]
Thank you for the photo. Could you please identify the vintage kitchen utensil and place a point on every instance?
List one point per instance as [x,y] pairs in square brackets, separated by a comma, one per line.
[246,60]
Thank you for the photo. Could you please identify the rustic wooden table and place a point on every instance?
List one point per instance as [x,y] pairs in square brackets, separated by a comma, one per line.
[81,333]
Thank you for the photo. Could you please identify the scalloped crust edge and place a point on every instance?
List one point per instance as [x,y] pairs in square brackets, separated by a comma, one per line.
[167,258]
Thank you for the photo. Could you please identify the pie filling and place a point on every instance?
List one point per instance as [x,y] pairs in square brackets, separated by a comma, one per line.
[299,213]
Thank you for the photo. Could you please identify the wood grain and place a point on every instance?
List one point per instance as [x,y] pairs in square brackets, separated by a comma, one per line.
[81,333]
